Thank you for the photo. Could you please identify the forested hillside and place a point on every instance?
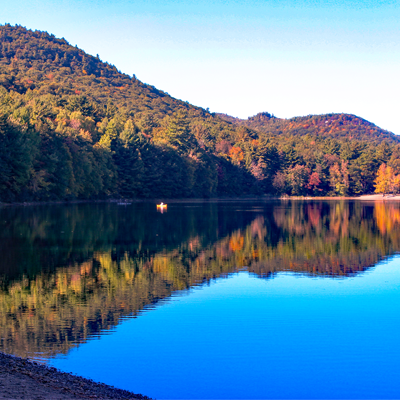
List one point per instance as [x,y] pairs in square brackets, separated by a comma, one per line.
[74,127]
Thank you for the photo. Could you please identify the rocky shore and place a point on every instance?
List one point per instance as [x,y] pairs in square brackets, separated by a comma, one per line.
[23,379]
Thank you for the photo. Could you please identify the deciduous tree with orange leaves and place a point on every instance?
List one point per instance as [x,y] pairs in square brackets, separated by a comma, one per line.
[381,181]
[386,180]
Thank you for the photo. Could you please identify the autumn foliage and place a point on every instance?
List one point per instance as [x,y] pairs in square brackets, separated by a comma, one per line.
[386,180]
[74,127]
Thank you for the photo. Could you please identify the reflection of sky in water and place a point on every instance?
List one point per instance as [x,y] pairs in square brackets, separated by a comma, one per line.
[244,337]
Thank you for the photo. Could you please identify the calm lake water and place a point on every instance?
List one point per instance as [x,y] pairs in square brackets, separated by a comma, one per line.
[227,300]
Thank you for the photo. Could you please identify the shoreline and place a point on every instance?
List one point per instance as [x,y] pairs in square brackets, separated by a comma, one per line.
[364,197]
[24,379]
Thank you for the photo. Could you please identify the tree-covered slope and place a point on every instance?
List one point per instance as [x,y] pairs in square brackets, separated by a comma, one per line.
[43,64]
[74,127]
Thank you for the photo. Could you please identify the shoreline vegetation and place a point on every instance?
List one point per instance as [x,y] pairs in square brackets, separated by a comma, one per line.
[25,379]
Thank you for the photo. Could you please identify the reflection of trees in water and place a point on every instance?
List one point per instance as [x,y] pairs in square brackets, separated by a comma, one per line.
[387,217]
[51,311]
[315,238]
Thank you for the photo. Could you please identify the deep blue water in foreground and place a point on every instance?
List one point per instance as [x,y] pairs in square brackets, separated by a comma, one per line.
[242,337]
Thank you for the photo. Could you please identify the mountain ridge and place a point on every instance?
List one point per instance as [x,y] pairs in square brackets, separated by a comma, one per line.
[332,123]
[110,82]
[24,49]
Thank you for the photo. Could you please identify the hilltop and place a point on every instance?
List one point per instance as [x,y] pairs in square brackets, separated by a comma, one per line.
[74,127]
[40,63]
[343,126]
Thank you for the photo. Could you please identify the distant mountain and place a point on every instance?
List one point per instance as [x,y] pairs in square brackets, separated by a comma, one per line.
[346,126]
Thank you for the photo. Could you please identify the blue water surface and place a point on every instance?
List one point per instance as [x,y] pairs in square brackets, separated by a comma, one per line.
[242,337]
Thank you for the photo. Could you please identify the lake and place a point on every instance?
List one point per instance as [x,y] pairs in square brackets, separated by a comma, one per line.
[208,300]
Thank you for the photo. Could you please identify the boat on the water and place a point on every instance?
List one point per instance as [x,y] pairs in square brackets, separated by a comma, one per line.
[161,206]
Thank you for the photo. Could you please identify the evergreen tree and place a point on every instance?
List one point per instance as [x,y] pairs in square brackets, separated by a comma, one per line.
[129,162]
[15,159]
[178,134]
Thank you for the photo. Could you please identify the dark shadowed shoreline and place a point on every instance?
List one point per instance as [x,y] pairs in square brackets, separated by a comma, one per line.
[24,379]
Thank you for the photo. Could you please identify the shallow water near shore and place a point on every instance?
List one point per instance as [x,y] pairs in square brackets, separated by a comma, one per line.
[233,300]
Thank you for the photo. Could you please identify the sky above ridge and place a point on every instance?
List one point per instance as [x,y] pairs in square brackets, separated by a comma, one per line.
[287,57]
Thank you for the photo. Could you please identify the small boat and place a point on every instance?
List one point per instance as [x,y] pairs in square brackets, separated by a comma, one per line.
[161,206]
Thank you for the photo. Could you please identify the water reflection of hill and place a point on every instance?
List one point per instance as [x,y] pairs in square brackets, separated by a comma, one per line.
[37,239]
[112,264]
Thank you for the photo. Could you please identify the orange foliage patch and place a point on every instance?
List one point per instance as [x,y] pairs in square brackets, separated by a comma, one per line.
[236,243]
[236,153]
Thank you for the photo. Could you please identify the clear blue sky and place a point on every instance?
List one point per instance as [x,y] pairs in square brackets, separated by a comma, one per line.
[288,57]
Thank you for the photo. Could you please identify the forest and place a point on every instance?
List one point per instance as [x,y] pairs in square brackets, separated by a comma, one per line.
[73,127]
